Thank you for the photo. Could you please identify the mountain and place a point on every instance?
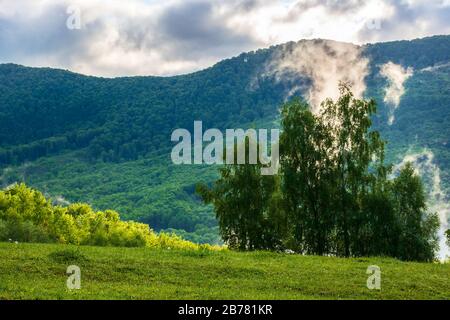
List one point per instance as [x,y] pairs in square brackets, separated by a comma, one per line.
[107,141]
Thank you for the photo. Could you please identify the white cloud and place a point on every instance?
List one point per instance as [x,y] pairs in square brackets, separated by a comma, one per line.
[164,37]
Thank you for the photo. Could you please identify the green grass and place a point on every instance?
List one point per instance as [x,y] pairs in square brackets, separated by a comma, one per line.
[38,271]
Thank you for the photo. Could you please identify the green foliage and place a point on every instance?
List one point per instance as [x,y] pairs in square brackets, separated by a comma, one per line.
[245,205]
[126,118]
[306,192]
[150,191]
[350,151]
[27,216]
[107,141]
[417,237]
[335,197]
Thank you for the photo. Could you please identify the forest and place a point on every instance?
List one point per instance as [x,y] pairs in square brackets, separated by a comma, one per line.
[334,195]
[106,142]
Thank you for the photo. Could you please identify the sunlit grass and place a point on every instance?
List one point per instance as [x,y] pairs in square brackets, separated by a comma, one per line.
[37,271]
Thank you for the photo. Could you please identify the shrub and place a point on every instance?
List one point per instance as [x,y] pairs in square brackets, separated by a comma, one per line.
[27,216]
[68,256]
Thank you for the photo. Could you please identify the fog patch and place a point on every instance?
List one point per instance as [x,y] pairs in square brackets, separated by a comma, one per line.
[396,76]
[436,67]
[325,63]
[60,201]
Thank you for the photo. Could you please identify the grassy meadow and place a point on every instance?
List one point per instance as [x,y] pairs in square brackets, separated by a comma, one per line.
[38,271]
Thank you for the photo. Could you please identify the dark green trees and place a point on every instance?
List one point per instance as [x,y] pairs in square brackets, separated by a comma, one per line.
[246,205]
[307,178]
[352,149]
[334,176]
[333,195]
[417,238]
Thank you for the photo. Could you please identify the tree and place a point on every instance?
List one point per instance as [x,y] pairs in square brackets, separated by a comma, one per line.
[418,228]
[307,176]
[325,160]
[353,147]
[246,206]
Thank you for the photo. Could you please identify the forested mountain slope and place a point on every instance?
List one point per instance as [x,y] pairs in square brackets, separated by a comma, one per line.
[107,141]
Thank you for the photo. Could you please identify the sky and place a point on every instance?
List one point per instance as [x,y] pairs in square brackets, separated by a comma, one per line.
[167,37]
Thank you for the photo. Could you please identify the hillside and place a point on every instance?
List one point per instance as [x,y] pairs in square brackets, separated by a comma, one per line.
[36,271]
[107,141]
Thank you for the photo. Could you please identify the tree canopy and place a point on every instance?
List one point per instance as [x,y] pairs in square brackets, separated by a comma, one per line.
[334,194]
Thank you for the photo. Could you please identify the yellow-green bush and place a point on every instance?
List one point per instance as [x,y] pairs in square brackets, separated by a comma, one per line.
[27,216]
